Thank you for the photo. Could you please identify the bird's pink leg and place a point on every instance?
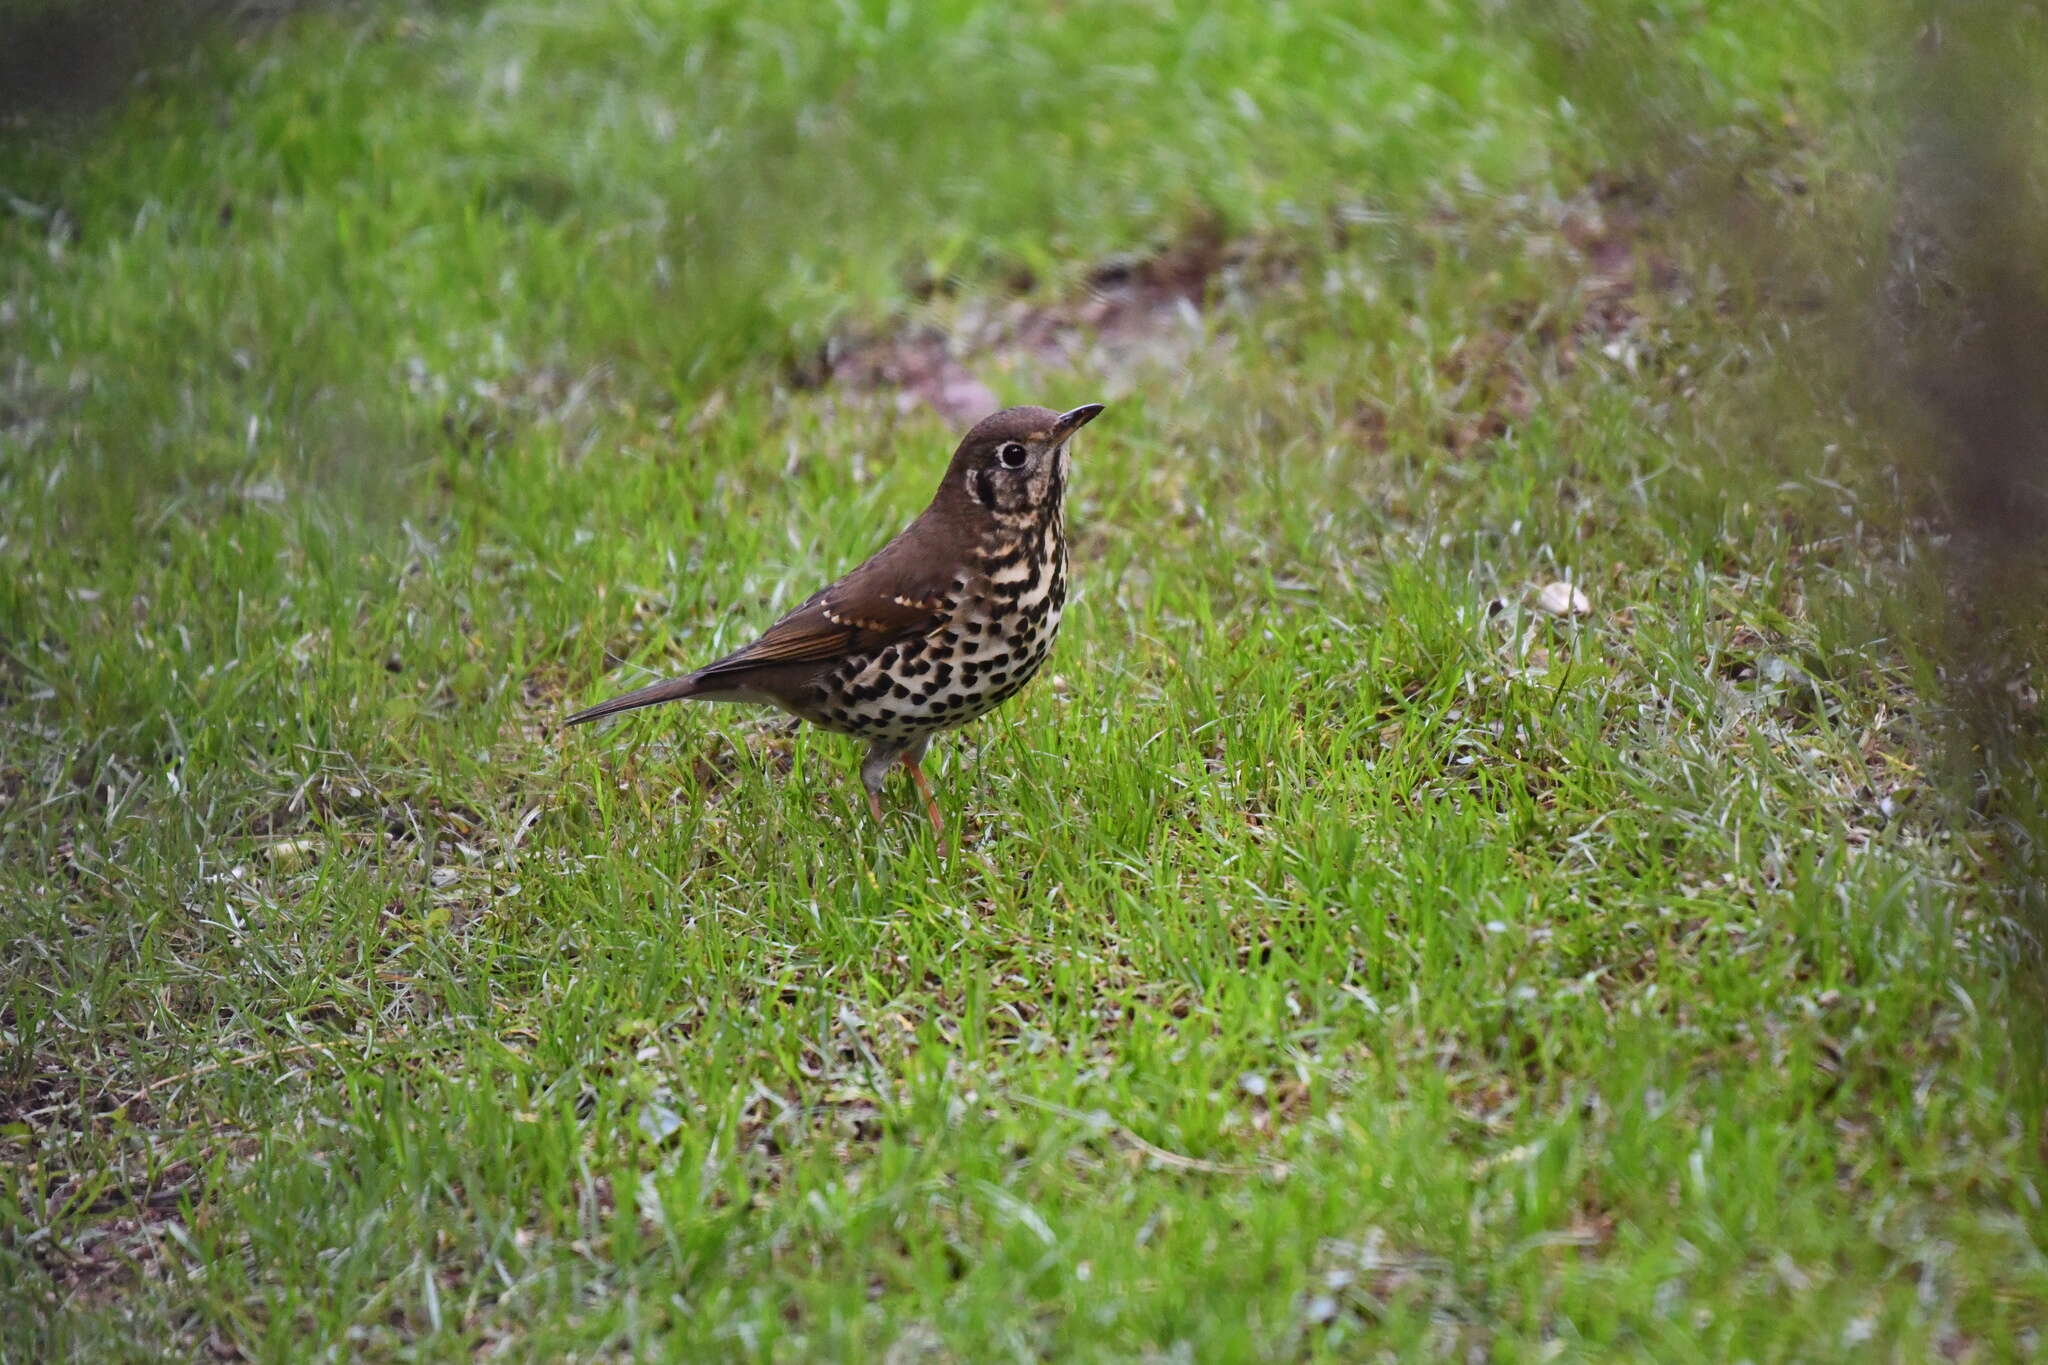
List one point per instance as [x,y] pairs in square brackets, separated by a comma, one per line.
[924,789]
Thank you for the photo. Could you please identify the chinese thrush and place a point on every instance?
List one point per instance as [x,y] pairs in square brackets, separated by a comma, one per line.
[944,623]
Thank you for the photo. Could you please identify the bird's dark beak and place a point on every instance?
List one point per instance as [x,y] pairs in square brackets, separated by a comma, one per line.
[1071,422]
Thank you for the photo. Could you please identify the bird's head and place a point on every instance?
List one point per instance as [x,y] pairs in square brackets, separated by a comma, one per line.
[1014,464]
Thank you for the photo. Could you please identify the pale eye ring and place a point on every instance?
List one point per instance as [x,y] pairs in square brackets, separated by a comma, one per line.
[1013,455]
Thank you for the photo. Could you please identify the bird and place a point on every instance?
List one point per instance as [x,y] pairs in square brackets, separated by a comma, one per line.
[937,628]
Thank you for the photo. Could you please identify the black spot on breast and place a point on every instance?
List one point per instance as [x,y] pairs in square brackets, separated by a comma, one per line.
[970,648]
[899,691]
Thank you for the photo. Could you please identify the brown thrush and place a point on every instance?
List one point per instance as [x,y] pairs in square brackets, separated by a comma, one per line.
[944,623]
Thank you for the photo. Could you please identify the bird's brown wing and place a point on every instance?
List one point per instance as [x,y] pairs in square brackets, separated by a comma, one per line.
[886,600]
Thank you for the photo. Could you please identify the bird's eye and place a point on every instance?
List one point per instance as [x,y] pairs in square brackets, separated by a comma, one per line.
[1013,456]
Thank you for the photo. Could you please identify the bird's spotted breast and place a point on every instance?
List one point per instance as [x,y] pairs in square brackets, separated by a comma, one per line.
[998,630]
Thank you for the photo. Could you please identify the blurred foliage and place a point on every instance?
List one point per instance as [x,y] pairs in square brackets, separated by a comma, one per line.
[1899,285]
[413,203]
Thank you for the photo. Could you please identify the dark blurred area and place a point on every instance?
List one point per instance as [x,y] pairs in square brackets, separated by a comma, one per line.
[68,57]
[1967,326]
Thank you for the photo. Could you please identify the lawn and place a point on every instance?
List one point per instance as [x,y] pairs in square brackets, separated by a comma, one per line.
[1490,872]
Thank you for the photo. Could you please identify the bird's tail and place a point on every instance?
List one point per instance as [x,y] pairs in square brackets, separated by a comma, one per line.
[675,689]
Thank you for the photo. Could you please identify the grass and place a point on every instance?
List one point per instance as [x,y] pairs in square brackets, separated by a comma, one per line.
[1343,957]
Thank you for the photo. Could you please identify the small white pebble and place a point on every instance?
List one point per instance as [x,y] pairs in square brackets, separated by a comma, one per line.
[292,852]
[1564,599]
